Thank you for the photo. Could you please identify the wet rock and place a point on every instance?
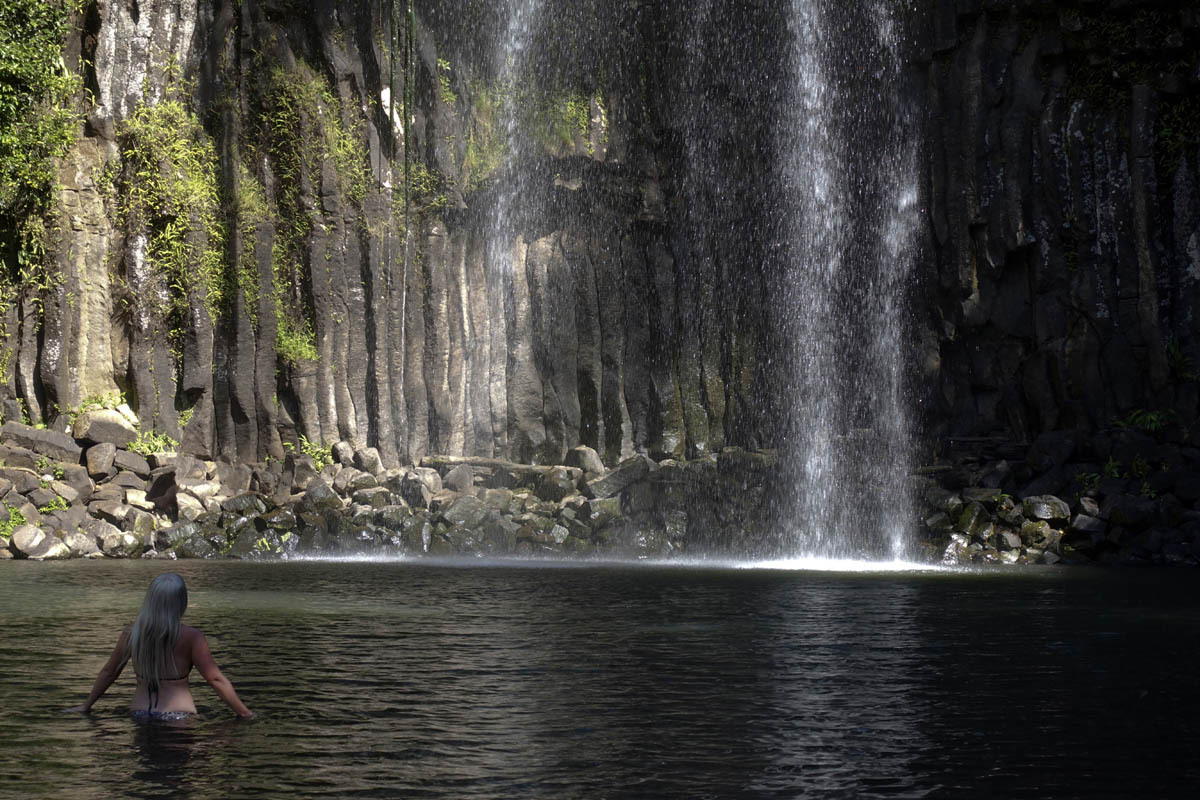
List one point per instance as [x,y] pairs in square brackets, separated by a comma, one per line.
[393,517]
[460,479]
[1083,523]
[988,497]
[585,459]
[557,483]
[465,511]
[1046,507]
[368,460]
[1129,511]
[616,480]
[1007,540]
[319,496]
[248,503]
[416,490]
[281,519]
[374,497]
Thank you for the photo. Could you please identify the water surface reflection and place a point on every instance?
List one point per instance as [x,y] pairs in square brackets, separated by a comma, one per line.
[407,680]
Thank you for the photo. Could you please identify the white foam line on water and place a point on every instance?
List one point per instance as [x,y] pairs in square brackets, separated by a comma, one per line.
[840,565]
[806,564]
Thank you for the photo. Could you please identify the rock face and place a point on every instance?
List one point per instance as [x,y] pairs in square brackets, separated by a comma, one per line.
[1057,288]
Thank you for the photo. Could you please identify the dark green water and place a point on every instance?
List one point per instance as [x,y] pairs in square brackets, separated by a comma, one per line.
[402,680]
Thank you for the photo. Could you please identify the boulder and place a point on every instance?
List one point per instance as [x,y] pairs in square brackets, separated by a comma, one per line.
[109,512]
[375,497]
[81,544]
[43,497]
[1129,511]
[186,467]
[100,460]
[466,511]
[320,495]
[32,542]
[368,460]
[281,519]
[585,459]
[615,480]
[52,444]
[1051,449]
[104,425]
[245,504]
[341,483]
[127,480]
[460,479]
[66,491]
[132,462]
[558,483]
[189,508]
[343,453]
[23,480]
[415,491]
[1084,523]
[200,489]
[233,478]
[1047,507]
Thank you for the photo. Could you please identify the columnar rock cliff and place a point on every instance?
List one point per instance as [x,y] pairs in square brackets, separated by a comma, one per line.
[280,220]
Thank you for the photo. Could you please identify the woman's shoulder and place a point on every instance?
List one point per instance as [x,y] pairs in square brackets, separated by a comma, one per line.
[187,632]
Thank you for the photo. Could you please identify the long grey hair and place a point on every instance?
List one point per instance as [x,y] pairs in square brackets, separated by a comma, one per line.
[156,630]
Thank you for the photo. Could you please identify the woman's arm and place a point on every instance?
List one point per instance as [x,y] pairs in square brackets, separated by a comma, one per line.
[207,666]
[108,673]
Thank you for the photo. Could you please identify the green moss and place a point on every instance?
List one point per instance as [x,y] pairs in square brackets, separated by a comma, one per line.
[15,520]
[38,121]
[294,339]
[303,125]
[168,188]
[1178,132]
[251,213]
[38,124]
[485,147]
[448,95]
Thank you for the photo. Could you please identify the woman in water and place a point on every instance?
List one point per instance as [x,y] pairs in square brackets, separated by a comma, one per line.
[163,654]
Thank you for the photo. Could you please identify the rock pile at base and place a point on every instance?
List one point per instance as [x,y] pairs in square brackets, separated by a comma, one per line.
[66,498]
[1116,497]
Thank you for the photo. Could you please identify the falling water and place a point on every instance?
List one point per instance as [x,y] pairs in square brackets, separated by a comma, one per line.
[516,198]
[848,171]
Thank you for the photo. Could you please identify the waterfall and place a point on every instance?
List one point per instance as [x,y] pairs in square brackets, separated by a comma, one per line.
[848,171]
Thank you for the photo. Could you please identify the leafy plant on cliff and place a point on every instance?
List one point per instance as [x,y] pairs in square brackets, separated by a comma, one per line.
[251,212]
[1142,420]
[37,118]
[321,454]
[15,520]
[148,442]
[38,123]
[304,125]
[168,193]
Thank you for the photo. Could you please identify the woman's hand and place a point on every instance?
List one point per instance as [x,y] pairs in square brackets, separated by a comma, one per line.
[77,710]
